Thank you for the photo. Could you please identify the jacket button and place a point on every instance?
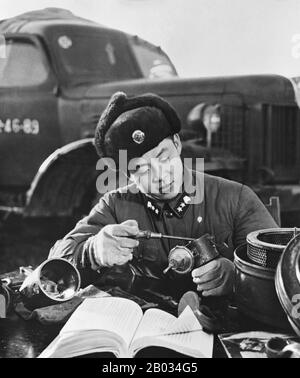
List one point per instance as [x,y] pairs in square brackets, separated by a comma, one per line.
[169,214]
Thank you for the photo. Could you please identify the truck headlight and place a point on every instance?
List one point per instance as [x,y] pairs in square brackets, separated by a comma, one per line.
[208,116]
[212,118]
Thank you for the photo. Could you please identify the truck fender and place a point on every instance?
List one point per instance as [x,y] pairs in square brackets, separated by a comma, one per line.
[65,182]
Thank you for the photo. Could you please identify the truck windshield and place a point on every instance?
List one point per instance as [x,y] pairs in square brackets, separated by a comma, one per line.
[103,57]
[153,62]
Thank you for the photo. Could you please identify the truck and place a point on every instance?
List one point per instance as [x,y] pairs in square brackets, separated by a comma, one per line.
[57,73]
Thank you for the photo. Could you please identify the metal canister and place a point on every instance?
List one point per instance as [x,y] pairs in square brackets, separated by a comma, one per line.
[255,292]
[287,282]
[203,249]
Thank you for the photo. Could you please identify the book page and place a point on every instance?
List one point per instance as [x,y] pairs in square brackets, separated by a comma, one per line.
[186,322]
[197,344]
[183,334]
[154,322]
[158,322]
[117,315]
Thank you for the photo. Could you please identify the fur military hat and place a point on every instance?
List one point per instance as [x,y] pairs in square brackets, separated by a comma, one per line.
[136,124]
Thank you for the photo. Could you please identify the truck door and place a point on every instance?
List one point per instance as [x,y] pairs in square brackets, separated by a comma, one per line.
[28,111]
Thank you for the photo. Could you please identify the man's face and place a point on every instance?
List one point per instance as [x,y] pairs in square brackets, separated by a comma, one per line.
[159,172]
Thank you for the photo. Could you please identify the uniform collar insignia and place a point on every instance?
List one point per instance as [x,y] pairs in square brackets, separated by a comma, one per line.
[180,204]
[153,207]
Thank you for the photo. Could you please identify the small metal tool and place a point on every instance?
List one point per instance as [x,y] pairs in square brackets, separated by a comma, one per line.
[155,235]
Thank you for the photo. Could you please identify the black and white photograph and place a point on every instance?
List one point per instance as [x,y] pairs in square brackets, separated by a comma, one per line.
[149,182]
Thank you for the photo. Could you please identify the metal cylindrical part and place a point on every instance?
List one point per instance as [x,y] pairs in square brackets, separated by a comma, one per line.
[181,260]
[265,247]
[54,281]
[203,250]
[146,234]
[198,252]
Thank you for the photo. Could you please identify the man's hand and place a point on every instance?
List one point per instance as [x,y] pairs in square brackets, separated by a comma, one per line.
[216,278]
[114,244]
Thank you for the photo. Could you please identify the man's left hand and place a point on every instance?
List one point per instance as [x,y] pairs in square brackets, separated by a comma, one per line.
[216,278]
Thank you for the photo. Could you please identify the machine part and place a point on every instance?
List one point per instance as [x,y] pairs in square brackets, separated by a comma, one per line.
[283,347]
[2,306]
[181,260]
[54,281]
[154,235]
[6,297]
[287,282]
[265,247]
[209,320]
[274,346]
[198,252]
[291,351]
[255,293]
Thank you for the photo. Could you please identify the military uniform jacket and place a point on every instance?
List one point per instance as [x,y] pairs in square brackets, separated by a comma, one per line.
[227,210]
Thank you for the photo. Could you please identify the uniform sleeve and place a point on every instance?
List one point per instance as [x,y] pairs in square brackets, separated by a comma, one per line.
[251,215]
[78,245]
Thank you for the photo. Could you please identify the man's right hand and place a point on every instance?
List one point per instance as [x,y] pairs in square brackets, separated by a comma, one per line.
[114,244]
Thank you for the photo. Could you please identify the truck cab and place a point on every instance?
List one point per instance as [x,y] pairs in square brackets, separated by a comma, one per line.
[50,60]
[57,76]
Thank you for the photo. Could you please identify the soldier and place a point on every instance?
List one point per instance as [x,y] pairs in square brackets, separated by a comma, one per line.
[161,198]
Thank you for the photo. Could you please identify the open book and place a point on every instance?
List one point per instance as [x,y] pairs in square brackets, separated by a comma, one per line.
[118,325]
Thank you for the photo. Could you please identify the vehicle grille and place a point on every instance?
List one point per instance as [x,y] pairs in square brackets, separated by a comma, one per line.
[231,135]
[279,138]
[281,135]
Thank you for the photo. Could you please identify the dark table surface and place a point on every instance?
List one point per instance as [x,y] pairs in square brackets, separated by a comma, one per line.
[27,339]
[24,339]
[21,338]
